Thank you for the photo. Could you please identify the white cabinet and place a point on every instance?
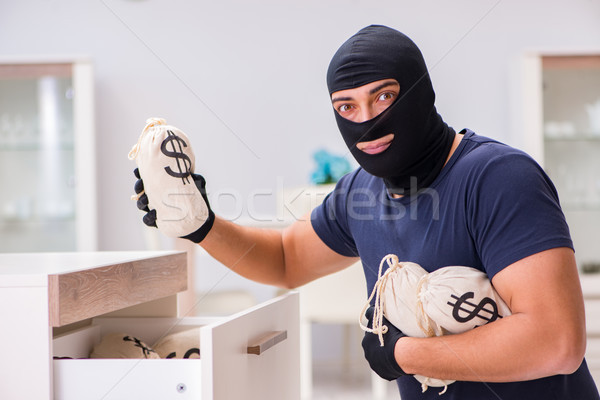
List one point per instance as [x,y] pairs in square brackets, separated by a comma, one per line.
[60,304]
[562,117]
[47,162]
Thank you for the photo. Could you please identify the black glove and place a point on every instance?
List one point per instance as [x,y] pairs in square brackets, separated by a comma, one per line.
[150,216]
[381,358]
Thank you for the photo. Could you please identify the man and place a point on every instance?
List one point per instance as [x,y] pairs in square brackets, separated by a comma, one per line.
[436,198]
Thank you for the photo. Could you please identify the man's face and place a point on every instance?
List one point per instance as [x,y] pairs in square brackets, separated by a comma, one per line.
[364,103]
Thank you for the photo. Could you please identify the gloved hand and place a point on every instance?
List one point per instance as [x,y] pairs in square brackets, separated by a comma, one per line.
[381,358]
[150,217]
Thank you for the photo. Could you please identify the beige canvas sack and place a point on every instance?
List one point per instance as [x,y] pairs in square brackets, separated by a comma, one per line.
[184,344]
[398,295]
[449,300]
[120,345]
[166,161]
[459,299]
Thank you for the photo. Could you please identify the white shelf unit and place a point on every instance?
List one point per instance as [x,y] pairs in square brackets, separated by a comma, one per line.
[47,155]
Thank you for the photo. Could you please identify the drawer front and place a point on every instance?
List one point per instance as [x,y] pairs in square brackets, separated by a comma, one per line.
[127,379]
[78,295]
[229,372]
[225,371]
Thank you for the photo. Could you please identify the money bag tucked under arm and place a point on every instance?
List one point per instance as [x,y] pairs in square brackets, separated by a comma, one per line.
[449,300]
[166,163]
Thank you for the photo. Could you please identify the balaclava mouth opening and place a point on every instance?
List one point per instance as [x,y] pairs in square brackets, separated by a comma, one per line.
[422,140]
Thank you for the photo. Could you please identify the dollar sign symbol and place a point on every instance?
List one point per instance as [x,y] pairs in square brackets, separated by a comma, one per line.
[184,166]
[473,310]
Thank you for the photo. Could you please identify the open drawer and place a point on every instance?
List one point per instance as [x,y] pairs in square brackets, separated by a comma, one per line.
[253,354]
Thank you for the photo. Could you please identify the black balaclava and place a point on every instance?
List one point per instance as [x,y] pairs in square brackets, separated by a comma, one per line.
[422,140]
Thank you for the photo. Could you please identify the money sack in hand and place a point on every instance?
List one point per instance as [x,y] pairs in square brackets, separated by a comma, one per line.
[449,300]
[168,190]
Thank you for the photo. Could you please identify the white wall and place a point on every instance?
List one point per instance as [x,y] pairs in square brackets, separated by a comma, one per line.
[246,80]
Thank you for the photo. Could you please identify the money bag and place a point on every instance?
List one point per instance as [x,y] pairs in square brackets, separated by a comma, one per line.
[184,344]
[120,345]
[458,299]
[449,300]
[399,295]
[165,163]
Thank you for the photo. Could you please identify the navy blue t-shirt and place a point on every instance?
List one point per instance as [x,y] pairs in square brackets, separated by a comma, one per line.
[491,206]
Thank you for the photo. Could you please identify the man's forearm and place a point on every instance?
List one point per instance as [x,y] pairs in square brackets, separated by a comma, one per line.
[254,253]
[544,336]
[515,348]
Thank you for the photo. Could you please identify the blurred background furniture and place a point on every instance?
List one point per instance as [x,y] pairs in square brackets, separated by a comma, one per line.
[47,155]
[561,102]
[590,284]
[335,299]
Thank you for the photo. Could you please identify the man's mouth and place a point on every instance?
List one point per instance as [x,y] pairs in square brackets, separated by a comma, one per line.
[376,146]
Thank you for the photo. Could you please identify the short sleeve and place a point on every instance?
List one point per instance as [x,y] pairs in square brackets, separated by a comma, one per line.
[330,220]
[514,212]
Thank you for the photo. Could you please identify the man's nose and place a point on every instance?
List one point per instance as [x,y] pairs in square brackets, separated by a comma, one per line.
[366,113]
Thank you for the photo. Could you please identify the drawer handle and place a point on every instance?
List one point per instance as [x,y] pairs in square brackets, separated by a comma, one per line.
[267,341]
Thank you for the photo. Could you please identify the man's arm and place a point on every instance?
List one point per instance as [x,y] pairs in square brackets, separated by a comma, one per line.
[544,336]
[288,258]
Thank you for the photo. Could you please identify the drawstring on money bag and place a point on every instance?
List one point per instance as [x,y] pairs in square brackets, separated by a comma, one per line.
[150,122]
[133,153]
[423,320]
[378,327]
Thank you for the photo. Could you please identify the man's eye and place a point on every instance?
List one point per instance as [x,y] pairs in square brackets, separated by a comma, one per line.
[345,108]
[386,96]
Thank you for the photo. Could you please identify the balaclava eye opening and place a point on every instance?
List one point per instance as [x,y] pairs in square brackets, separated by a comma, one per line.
[422,140]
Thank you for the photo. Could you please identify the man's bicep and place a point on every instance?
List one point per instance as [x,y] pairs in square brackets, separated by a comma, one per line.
[307,257]
[545,286]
